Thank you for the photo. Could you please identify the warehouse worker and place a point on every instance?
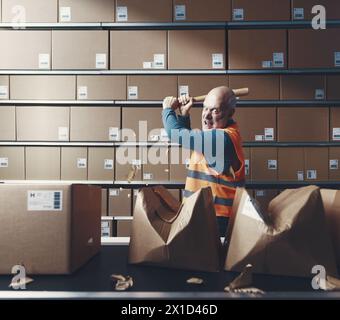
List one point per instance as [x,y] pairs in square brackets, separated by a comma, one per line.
[217,159]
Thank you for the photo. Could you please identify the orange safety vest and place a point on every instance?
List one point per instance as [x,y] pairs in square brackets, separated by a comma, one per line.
[223,186]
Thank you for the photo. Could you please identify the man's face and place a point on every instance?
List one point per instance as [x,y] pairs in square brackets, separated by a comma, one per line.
[214,116]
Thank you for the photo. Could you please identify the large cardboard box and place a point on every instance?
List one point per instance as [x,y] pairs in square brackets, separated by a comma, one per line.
[257,49]
[143,11]
[43,87]
[179,160]
[333,92]
[156,164]
[256,124]
[42,163]
[302,9]
[261,87]
[334,160]
[316,164]
[300,124]
[284,241]
[197,49]
[7,123]
[291,164]
[263,10]
[335,124]
[80,49]
[25,49]
[151,87]
[124,228]
[264,164]
[202,10]
[138,49]
[263,198]
[12,163]
[86,10]
[299,87]
[120,202]
[309,48]
[42,123]
[247,162]
[27,11]
[73,163]
[129,163]
[4,87]
[49,229]
[104,202]
[101,163]
[101,87]
[95,124]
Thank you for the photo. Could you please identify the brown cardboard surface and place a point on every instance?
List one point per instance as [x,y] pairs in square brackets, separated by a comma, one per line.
[128,164]
[12,164]
[334,160]
[42,123]
[95,123]
[178,158]
[7,123]
[124,228]
[332,8]
[101,163]
[130,49]
[156,166]
[196,117]
[263,198]
[291,164]
[4,87]
[249,48]
[42,163]
[335,124]
[104,210]
[302,124]
[333,92]
[74,163]
[194,49]
[264,164]
[247,163]
[316,164]
[120,202]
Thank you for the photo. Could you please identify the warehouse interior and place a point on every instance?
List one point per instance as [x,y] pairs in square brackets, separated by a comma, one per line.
[82,84]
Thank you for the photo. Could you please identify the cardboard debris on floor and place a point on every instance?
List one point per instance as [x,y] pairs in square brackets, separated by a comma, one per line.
[121,283]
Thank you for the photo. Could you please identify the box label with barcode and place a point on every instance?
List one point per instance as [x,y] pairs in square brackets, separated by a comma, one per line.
[108,164]
[267,64]
[100,60]
[159,61]
[3,92]
[113,133]
[81,163]
[238,14]
[180,12]
[3,162]
[41,200]
[147,65]
[132,92]
[334,164]
[298,13]
[114,192]
[272,164]
[300,176]
[246,165]
[82,92]
[65,14]
[63,133]
[311,174]
[122,14]
[336,134]
[217,60]
[259,137]
[44,61]
[319,94]
[147,176]
[278,60]
[183,90]
[260,193]
[268,134]
[337,59]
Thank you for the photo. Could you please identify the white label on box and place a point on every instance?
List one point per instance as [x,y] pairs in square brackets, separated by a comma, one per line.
[183,90]
[3,162]
[105,224]
[147,65]
[122,14]
[65,14]
[260,193]
[250,211]
[259,137]
[311,174]
[105,232]
[100,60]
[38,200]
[132,92]
[81,163]
[272,164]
[246,166]
[159,61]
[334,164]
[63,133]
[187,163]
[82,92]
[3,92]
[147,176]
[114,134]
[267,64]
[44,60]
[319,94]
[114,192]
[298,14]
[337,59]
[300,176]
[154,137]
[336,134]
[217,60]
[278,60]
[108,164]
[268,134]
[136,163]
[180,13]
[238,14]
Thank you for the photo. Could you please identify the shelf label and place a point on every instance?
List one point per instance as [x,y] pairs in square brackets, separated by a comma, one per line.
[113,133]
[319,94]
[65,14]
[44,61]
[108,164]
[337,59]
[3,162]
[217,60]
[300,176]
[336,134]
[180,13]
[147,176]
[132,92]
[298,14]
[4,92]
[334,164]
[122,14]
[100,60]
[272,164]
[183,90]
[82,92]
[311,174]
[81,163]
[159,61]
[63,133]
[269,134]
[114,192]
[278,60]
[238,14]
[44,200]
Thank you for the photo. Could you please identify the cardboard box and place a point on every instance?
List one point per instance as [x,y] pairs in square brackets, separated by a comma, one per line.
[197,85]
[261,87]
[73,163]
[124,228]
[247,162]
[257,49]
[101,87]
[309,48]
[179,160]
[151,87]
[50,229]
[120,202]
[42,123]
[7,123]
[197,49]
[42,163]
[176,193]
[143,11]
[264,164]
[156,165]
[196,117]
[333,87]
[301,124]
[138,49]
[4,87]
[201,10]
[43,87]
[107,229]
[95,124]
[12,163]
[316,164]
[101,163]
[263,198]
[129,164]
[297,87]
[86,11]
[25,49]
[335,124]
[28,11]
[302,9]
[256,124]
[334,159]
[262,10]
[104,202]
[80,49]
[291,166]
[149,119]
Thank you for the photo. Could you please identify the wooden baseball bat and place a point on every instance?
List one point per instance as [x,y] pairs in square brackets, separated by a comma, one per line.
[238,93]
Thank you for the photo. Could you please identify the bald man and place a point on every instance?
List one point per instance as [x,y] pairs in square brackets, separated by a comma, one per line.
[217,158]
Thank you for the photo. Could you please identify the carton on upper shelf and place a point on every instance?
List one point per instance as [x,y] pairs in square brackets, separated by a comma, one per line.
[7,123]
[12,163]
[101,164]
[74,162]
